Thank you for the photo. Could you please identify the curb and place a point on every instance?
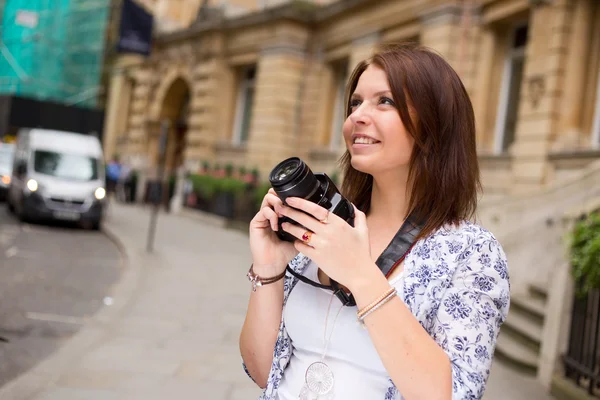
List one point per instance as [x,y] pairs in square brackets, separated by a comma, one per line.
[49,370]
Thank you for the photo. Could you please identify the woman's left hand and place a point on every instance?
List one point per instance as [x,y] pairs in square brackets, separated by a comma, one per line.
[339,249]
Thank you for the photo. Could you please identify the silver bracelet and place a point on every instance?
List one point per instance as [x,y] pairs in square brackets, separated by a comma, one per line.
[382,302]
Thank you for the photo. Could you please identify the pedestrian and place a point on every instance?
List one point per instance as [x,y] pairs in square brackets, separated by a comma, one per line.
[428,330]
[113,171]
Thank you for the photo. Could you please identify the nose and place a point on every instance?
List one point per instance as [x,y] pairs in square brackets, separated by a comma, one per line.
[360,115]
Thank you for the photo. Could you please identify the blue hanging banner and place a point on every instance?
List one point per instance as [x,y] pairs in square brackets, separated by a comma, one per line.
[135,31]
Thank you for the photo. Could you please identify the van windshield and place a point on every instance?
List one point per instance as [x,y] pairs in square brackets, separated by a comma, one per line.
[6,155]
[65,166]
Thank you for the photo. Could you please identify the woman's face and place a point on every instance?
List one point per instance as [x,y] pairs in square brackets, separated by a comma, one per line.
[374,133]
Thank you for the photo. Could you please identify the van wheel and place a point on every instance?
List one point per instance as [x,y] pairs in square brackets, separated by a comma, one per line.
[96,225]
[91,225]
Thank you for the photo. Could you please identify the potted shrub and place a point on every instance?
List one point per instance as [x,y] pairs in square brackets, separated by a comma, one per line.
[204,187]
[226,192]
[204,168]
[229,170]
[585,253]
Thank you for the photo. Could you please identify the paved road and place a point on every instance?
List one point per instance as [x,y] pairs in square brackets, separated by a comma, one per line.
[51,279]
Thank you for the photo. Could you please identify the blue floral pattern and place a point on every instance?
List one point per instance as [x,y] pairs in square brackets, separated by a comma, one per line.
[456,284]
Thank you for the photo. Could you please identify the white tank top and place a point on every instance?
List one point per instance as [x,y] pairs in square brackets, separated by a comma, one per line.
[351,355]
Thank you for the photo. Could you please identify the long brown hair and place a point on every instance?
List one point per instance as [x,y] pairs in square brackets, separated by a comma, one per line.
[443,171]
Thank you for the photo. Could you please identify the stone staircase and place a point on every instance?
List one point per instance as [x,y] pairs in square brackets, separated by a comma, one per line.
[520,339]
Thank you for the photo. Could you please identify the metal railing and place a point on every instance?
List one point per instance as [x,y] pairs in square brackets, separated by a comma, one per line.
[582,361]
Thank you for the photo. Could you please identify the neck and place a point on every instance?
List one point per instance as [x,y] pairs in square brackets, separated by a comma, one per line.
[389,198]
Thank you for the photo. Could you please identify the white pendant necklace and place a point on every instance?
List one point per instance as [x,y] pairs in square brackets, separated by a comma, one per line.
[318,379]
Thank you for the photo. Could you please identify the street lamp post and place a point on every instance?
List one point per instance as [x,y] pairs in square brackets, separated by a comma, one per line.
[156,197]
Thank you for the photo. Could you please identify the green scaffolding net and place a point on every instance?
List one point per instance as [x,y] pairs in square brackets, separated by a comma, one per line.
[53,49]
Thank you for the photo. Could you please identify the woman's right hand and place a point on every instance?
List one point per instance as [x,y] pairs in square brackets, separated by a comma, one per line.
[270,254]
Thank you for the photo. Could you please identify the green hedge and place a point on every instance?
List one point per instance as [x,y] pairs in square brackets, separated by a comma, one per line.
[585,254]
[207,186]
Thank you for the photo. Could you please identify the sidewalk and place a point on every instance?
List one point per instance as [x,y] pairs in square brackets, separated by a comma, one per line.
[172,330]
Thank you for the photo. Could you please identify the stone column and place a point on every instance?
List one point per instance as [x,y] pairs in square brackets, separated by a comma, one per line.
[540,105]
[570,130]
[481,94]
[118,99]
[275,126]
[441,30]
[205,121]
[362,48]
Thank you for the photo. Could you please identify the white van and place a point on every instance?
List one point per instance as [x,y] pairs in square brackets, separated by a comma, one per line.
[58,175]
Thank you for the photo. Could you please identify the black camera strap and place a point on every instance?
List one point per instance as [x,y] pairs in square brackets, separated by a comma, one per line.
[391,257]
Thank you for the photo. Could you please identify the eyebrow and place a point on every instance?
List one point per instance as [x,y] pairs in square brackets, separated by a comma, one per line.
[380,93]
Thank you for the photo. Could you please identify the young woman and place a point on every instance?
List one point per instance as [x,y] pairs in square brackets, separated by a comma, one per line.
[427,331]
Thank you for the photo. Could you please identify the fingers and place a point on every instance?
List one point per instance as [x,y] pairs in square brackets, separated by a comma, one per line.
[271,216]
[306,236]
[302,218]
[360,219]
[267,213]
[309,207]
[271,200]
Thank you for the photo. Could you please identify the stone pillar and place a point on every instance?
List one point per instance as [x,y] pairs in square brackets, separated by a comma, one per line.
[540,105]
[441,30]
[117,107]
[362,48]
[570,130]
[275,126]
[211,103]
[481,95]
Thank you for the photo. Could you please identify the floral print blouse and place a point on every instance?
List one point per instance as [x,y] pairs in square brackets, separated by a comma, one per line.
[456,284]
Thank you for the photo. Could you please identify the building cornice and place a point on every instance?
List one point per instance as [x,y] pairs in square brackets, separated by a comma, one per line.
[304,13]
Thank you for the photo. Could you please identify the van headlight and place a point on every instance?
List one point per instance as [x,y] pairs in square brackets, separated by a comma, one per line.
[32,185]
[100,193]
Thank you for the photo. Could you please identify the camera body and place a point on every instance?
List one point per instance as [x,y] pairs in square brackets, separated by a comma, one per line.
[293,178]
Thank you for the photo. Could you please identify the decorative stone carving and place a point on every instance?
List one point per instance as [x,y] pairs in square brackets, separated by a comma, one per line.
[537,87]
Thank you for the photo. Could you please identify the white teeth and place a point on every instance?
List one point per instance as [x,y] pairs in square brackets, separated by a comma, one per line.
[364,140]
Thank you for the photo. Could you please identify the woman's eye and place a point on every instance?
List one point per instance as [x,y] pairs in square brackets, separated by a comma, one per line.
[386,101]
[354,103]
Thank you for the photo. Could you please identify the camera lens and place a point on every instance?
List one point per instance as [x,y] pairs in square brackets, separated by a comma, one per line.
[285,170]
[293,178]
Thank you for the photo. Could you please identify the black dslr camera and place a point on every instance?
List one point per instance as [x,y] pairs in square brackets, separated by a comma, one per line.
[293,178]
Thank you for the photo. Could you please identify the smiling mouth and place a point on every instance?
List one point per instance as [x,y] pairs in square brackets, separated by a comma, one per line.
[364,140]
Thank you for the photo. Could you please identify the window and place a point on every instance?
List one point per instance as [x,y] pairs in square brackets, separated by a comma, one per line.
[508,107]
[65,166]
[245,104]
[338,114]
[596,123]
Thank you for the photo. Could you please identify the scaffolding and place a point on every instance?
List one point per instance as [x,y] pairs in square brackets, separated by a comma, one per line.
[53,49]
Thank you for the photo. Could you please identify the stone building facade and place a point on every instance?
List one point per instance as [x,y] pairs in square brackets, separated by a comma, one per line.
[255,88]
[268,84]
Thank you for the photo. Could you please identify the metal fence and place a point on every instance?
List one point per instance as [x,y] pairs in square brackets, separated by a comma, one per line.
[582,361]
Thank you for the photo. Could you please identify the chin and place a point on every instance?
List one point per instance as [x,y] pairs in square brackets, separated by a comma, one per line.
[363,165]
